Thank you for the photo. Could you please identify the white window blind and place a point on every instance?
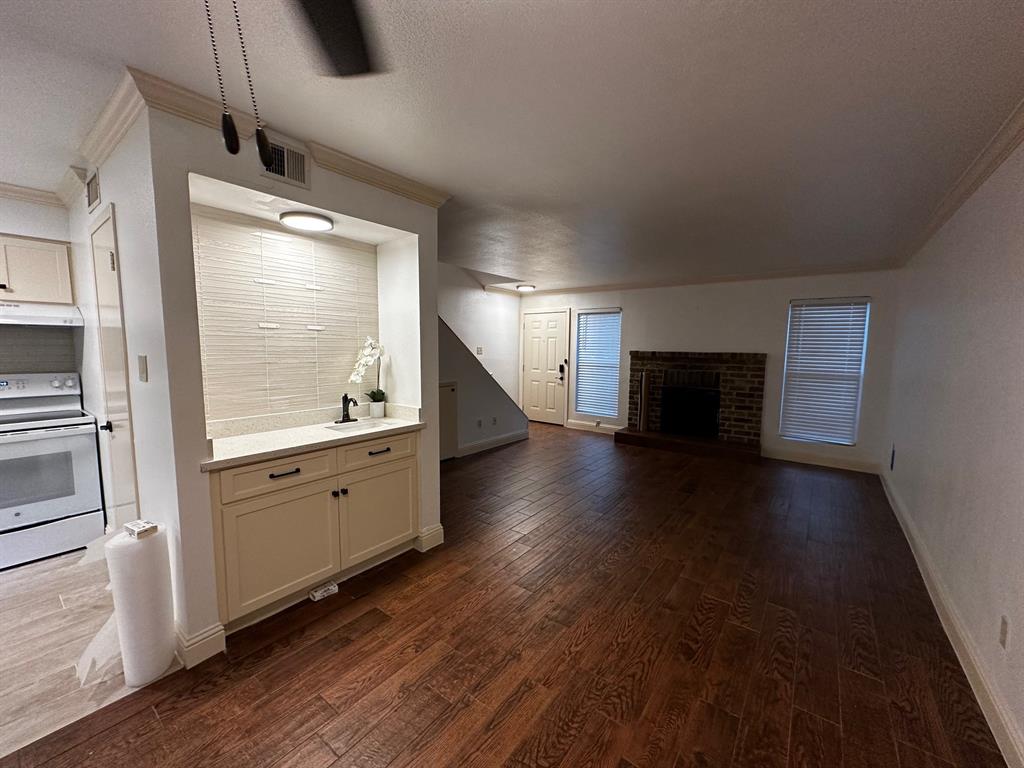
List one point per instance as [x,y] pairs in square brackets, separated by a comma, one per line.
[825,351]
[598,340]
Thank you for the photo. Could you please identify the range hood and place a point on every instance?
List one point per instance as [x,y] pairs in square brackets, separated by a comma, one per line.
[18,313]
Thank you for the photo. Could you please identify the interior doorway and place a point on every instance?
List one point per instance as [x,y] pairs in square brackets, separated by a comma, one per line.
[545,356]
[116,433]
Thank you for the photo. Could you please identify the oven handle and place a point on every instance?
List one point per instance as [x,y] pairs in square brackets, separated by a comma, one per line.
[46,434]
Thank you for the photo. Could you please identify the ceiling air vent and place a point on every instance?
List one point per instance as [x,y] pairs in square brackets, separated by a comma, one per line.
[288,164]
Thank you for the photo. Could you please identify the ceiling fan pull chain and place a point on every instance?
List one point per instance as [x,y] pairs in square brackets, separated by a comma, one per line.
[262,142]
[227,123]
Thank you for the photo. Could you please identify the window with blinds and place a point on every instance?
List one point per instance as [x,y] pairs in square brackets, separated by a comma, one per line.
[598,341]
[825,351]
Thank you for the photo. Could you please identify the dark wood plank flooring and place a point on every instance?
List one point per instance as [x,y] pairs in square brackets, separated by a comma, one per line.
[594,605]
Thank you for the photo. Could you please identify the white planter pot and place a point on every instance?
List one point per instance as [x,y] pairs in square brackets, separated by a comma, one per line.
[377,410]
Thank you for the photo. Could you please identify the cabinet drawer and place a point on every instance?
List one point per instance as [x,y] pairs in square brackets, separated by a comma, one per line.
[277,474]
[376,452]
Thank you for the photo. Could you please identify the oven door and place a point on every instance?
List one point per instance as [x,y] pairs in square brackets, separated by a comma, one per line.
[47,474]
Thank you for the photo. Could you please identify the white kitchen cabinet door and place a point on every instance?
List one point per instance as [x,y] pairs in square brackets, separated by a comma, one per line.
[378,510]
[34,270]
[279,543]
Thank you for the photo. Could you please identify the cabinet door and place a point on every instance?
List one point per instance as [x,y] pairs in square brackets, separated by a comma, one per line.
[34,270]
[279,543]
[378,511]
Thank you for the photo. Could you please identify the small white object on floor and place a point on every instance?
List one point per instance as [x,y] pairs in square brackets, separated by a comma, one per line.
[324,590]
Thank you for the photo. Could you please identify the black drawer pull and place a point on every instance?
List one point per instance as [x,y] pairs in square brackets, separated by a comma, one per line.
[275,475]
[3,286]
[378,453]
[344,491]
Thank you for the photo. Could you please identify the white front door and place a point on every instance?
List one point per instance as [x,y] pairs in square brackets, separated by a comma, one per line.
[120,470]
[545,365]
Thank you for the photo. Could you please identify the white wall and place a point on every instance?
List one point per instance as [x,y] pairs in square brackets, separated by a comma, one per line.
[398,302]
[957,405]
[487,416]
[18,217]
[487,319]
[749,316]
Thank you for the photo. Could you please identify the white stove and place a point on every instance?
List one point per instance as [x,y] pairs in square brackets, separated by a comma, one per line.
[50,496]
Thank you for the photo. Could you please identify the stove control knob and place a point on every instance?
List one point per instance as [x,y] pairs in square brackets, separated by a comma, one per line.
[55,383]
[69,383]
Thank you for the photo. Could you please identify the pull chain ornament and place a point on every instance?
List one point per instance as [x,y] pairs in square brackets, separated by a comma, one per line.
[262,142]
[227,122]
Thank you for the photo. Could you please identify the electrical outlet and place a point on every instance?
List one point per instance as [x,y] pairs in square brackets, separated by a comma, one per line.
[479,350]
[892,458]
[1004,631]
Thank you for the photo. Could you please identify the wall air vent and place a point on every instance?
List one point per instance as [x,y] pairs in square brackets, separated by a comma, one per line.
[92,190]
[289,164]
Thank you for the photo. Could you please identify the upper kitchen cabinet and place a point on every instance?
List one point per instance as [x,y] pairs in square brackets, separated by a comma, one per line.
[34,270]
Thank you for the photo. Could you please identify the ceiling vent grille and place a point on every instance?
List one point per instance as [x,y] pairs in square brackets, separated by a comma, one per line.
[287,164]
[92,190]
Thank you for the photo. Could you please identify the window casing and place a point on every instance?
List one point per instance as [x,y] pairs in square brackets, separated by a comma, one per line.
[598,346]
[826,349]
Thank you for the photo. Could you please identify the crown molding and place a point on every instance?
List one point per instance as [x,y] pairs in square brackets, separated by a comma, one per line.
[139,89]
[29,195]
[124,105]
[72,186]
[785,274]
[360,170]
[175,100]
[1009,136]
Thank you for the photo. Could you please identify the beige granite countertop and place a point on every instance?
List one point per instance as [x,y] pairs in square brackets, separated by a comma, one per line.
[248,449]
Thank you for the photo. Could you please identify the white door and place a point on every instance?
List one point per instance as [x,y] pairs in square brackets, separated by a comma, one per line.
[545,365]
[120,454]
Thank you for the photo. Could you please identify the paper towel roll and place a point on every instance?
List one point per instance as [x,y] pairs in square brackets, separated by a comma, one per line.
[140,579]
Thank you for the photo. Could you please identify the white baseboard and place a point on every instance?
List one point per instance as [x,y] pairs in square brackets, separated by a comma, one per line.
[492,442]
[1005,729]
[429,538]
[197,648]
[802,457]
[586,426]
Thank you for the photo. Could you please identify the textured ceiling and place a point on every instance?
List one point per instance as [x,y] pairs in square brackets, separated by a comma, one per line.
[588,142]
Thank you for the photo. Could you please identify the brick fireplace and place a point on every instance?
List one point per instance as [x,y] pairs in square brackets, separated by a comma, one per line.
[687,393]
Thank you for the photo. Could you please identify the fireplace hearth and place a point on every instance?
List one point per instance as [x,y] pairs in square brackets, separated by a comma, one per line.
[690,403]
[711,398]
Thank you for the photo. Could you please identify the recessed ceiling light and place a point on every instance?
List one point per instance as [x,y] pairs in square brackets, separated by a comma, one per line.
[526,288]
[306,221]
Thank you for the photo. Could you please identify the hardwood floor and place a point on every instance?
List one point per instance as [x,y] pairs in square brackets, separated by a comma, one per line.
[594,605]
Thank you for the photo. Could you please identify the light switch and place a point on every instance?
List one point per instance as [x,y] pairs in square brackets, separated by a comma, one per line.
[143,368]
[479,350]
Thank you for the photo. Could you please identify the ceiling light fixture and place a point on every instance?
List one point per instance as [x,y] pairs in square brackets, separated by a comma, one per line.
[524,288]
[306,221]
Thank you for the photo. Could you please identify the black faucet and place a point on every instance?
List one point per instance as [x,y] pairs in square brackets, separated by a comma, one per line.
[346,401]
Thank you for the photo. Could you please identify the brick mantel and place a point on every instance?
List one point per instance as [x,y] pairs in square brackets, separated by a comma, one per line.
[741,383]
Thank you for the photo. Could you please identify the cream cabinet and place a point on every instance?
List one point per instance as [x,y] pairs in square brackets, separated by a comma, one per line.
[279,543]
[34,270]
[285,525]
[377,510]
